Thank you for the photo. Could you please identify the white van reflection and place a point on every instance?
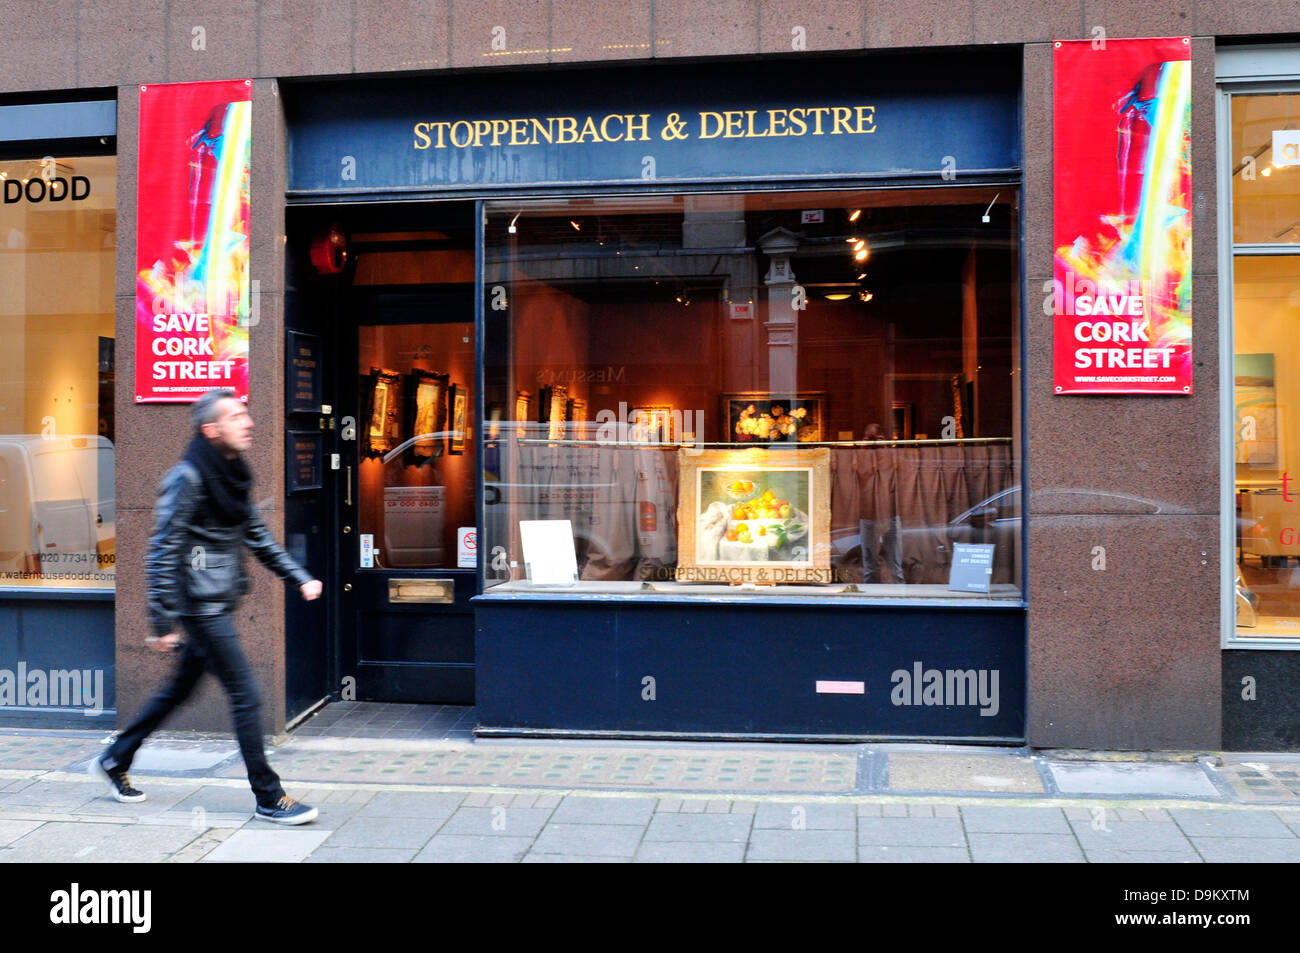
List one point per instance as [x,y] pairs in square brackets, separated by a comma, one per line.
[623,518]
[57,508]
[414,515]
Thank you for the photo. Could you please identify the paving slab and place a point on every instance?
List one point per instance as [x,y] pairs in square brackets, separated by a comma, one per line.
[140,844]
[1248,850]
[360,855]
[957,772]
[1131,835]
[1230,823]
[1014,820]
[10,831]
[411,804]
[573,859]
[58,842]
[497,821]
[699,827]
[1024,848]
[690,852]
[911,831]
[219,799]
[596,840]
[836,846]
[604,810]
[411,832]
[782,815]
[167,757]
[896,854]
[1143,857]
[269,846]
[1132,778]
[474,848]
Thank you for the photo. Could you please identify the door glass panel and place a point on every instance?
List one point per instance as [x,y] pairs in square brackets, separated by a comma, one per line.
[416,480]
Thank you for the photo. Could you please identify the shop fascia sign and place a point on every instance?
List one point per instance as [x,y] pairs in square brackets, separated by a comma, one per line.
[515,131]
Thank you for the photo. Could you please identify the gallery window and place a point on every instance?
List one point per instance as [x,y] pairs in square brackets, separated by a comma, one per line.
[57,249]
[1265,302]
[793,393]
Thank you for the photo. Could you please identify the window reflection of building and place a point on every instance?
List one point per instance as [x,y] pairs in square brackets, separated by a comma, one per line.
[901,313]
[57,372]
[1266,311]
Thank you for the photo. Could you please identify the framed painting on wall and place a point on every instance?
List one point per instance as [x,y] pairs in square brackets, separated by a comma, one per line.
[459,419]
[756,417]
[754,516]
[523,412]
[429,412]
[553,406]
[384,411]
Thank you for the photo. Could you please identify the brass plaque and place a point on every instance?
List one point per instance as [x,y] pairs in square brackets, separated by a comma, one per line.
[422,590]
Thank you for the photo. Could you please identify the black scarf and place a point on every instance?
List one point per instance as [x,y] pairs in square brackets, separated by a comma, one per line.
[226,480]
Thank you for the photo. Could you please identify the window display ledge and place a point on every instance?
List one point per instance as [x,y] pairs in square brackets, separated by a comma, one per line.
[839,594]
[55,594]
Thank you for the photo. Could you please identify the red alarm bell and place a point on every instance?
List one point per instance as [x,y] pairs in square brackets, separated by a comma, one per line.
[329,252]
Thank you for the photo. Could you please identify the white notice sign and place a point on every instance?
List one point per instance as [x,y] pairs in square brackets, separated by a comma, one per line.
[367,550]
[549,556]
[467,547]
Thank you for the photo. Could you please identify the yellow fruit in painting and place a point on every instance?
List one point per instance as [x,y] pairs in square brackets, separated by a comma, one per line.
[785,512]
[742,528]
[739,512]
[768,495]
[731,535]
[762,531]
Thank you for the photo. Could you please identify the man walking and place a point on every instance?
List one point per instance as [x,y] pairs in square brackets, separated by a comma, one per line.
[202,520]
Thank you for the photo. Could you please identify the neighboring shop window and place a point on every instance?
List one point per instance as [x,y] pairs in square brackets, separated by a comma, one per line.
[1266,362]
[57,250]
[785,392]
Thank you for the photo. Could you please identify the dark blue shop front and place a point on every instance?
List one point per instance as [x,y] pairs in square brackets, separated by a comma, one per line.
[745,335]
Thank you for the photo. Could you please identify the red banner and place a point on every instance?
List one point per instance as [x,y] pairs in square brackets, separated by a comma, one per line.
[1122,283]
[192,298]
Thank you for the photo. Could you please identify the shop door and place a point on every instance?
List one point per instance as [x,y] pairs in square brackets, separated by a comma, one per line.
[407,499]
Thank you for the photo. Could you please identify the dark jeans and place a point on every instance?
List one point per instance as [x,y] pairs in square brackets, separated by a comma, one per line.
[212,645]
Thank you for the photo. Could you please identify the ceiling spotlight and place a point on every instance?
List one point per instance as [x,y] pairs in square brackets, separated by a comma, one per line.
[576,226]
[853,217]
[865,296]
[861,276]
[860,255]
[852,240]
[838,296]
[511,227]
[1267,170]
[859,246]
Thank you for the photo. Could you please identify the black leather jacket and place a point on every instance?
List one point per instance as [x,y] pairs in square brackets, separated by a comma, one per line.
[195,566]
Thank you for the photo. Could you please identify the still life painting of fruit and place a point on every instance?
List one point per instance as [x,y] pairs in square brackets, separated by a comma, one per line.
[753,517]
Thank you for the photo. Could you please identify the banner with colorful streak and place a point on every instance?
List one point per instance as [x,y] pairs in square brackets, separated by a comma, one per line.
[192,300]
[1122,288]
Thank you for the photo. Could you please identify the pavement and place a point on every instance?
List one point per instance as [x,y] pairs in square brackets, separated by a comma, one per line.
[410,783]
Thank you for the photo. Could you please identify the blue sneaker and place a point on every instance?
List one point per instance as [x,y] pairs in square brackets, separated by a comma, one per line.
[118,781]
[287,811]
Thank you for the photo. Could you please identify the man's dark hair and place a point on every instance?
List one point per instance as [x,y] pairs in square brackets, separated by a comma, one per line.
[204,410]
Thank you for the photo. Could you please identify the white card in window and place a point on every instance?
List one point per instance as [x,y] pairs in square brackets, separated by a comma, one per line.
[367,550]
[549,555]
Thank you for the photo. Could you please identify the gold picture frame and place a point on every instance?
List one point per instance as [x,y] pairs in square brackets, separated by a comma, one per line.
[523,412]
[384,420]
[459,435]
[430,409]
[754,515]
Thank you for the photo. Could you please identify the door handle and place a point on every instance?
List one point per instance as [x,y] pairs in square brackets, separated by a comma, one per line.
[348,483]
